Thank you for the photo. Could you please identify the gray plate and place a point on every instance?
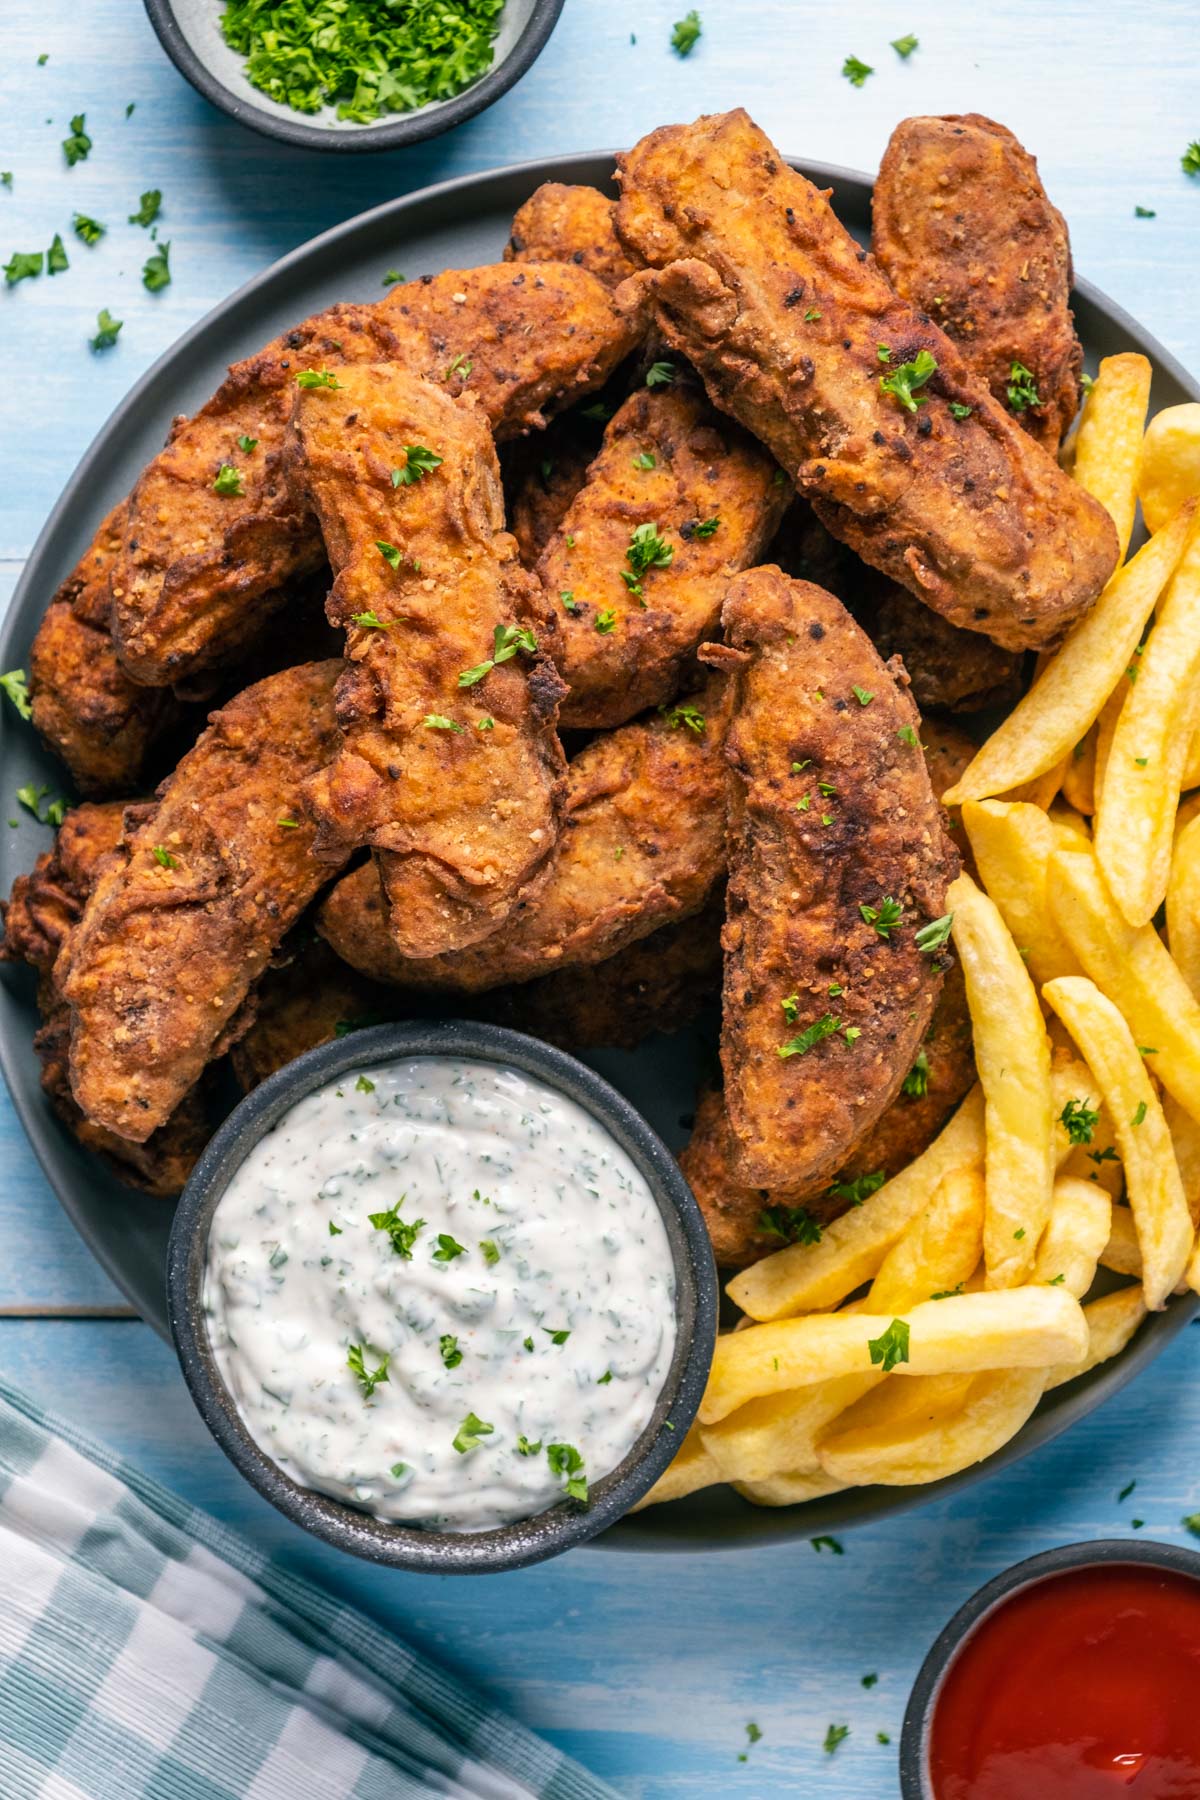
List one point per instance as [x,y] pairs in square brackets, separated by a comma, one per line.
[454,225]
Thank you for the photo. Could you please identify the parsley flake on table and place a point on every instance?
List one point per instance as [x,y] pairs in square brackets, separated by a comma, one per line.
[812,1034]
[368,1378]
[1126,1491]
[22,265]
[156,271]
[450,1352]
[507,641]
[659,374]
[402,1233]
[564,1459]
[908,376]
[1078,1121]
[228,481]
[470,1432]
[1189,162]
[149,208]
[106,330]
[916,1083]
[419,461]
[828,1543]
[885,917]
[1144,212]
[868,1681]
[1191,1522]
[56,257]
[88,231]
[684,33]
[904,46]
[790,1224]
[320,378]
[837,1734]
[856,72]
[77,146]
[1022,388]
[891,1347]
[13,683]
[6,178]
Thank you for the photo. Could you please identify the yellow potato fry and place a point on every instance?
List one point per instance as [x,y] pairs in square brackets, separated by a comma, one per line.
[1183,904]
[692,1469]
[1111,1321]
[807,1277]
[1013,844]
[1108,441]
[1192,1273]
[1072,1243]
[940,1249]
[778,1433]
[1189,809]
[1080,773]
[1170,470]
[789,1490]
[1076,1093]
[1122,1253]
[1045,726]
[1012,1054]
[1070,825]
[954,1437]
[1106,725]
[1014,1328]
[1143,777]
[1134,968]
[1185,1135]
[1042,791]
[1156,1199]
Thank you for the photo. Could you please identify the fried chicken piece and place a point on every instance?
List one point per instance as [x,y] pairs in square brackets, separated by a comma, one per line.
[642,844]
[188,914]
[964,231]
[837,858]
[768,295]
[561,224]
[456,784]
[677,501]
[201,566]
[46,904]
[746,1223]
[659,983]
[308,996]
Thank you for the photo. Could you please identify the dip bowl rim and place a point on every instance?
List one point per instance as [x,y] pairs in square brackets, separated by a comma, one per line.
[400,1546]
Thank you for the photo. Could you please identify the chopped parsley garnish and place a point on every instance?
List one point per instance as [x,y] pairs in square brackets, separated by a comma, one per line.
[317,378]
[490,1250]
[6,179]
[229,481]
[88,231]
[451,1354]
[647,550]
[960,411]
[485,724]
[247,444]
[31,799]
[392,277]
[684,33]
[837,1734]
[439,722]
[860,1188]
[683,715]
[564,1459]
[402,1235]
[369,1378]
[334,1230]
[1078,1121]
[507,641]
[389,553]
[77,146]
[1139,1114]
[399,1469]
[811,316]
[459,365]
[1022,388]
[597,413]
[14,685]
[705,528]
[791,1008]
[470,1432]
[856,72]
[908,736]
[863,695]
[931,937]
[916,1083]
[812,1034]
[827,1543]
[646,460]
[1144,212]
[364,1085]
[156,271]
[368,621]
[659,374]
[890,1348]
[949,1293]
[1191,1522]
[556,1336]
[852,1033]
[882,1737]
[904,46]
[1189,162]
[1126,1491]
[418,462]
[528,1343]
[885,917]
[56,257]
[149,208]
[605,1378]
[288,824]
[790,1224]
[163,858]
[868,1681]
[525,1448]
[22,265]
[606,619]
[1019,1234]
[448,1248]
[903,380]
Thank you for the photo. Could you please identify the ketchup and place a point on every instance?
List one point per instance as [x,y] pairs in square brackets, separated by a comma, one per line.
[1082,1686]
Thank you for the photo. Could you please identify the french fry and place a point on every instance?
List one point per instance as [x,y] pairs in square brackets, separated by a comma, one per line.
[940,1249]
[778,1433]
[1079,1229]
[1134,968]
[1070,825]
[1055,714]
[1106,726]
[1185,1135]
[1156,1198]
[1170,471]
[1014,1328]
[1122,1253]
[1012,1054]
[1108,441]
[1183,904]
[1013,844]
[809,1277]
[1111,1321]
[789,1490]
[1079,775]
[693,1468]
[1143,777]
[1074,1088]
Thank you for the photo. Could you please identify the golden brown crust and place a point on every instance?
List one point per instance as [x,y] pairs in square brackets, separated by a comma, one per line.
[770,297]
[169,944]
[831,811]
[964,231]
[308,996]
[949,668]
[462,814]
[541,482]
[46,904]
[703,468]
[642,844]
[569,225]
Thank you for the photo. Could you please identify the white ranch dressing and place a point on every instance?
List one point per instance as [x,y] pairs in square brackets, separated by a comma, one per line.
[559,1234]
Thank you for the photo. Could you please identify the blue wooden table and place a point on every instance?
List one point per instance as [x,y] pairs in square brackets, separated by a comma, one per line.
[647,1668]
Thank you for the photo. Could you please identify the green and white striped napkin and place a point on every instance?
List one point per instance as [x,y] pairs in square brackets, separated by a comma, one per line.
[148,1653]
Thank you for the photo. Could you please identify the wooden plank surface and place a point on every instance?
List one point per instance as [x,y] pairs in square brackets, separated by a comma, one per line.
[647,1668]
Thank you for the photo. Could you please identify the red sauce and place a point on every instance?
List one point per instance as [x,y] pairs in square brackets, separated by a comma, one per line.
[1084,1686]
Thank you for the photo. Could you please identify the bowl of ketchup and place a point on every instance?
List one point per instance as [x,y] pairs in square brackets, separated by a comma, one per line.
[1073,1676]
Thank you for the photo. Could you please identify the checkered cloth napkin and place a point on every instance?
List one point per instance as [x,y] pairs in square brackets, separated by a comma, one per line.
[147,1653]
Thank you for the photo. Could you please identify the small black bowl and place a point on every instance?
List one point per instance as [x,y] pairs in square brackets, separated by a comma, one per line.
[380,1540]
[1103,1553]
[189,31]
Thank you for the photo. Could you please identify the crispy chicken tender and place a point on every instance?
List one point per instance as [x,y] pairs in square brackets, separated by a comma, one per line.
[187,916]
[837,857]
[85,707]
[770,297]
[677,501]
[308,996]
[964,231]
[200,567]
[456,787]
[562,224]
[734,1213]
[642,844]
[44,908]
[542,476]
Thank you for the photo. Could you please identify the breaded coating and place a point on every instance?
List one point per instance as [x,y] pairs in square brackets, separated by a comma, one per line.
[769,296]
[46,904]
[677,501]
[964,231]
[450,771]
[542,476]
[85,707]
[642,844]
[658,984]
[202,565]
[308,996]
[748,1222]
[837,858]
[187,916]
[569,225]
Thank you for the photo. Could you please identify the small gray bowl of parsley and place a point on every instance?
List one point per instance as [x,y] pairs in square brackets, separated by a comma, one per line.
[356,74]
